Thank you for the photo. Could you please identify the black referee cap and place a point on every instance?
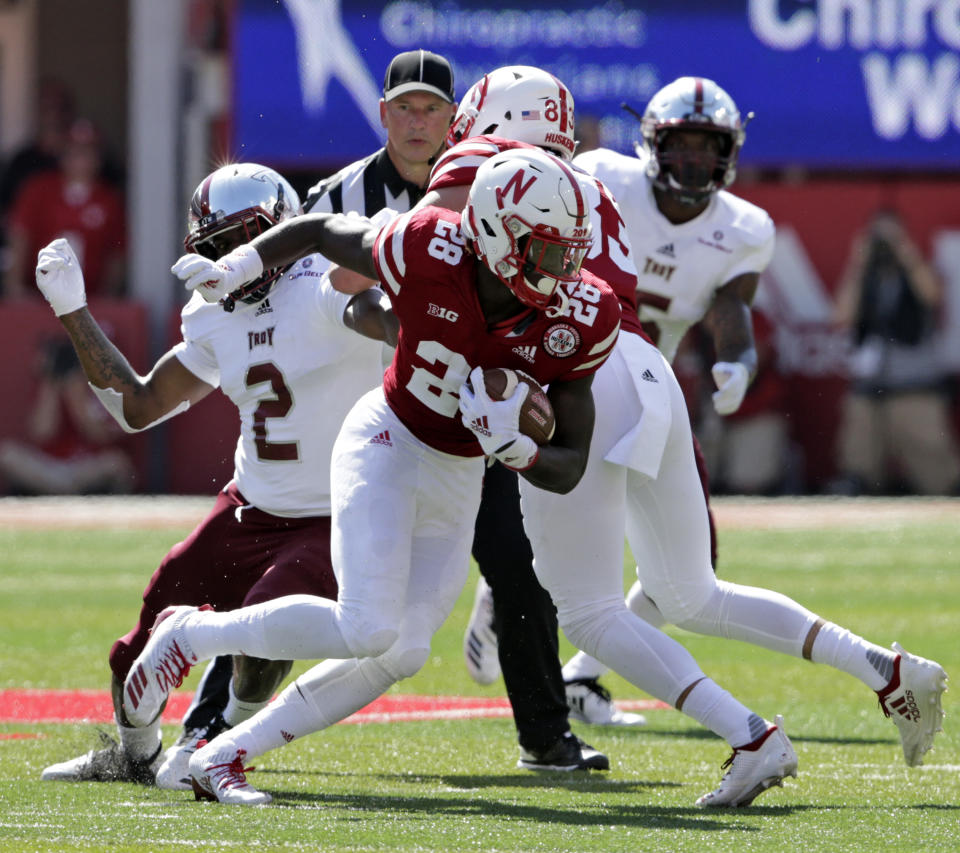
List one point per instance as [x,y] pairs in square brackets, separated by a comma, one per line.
[418,71]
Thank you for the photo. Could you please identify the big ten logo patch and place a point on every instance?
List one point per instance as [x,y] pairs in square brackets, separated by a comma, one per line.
[444,313]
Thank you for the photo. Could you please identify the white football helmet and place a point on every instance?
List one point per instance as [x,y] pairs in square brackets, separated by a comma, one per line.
[521,103]
[230,207]
[528,221]
[692,103]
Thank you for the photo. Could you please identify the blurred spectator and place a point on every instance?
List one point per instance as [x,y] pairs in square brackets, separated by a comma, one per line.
[75,202]
[42,153]
[71,445]
[895,431]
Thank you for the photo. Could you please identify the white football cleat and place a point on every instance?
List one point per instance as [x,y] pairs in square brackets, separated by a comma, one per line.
[109,764]
[754,768]
[590,702]
[912,698]
[162,665]
[173,773]
[217,773]
[480,640]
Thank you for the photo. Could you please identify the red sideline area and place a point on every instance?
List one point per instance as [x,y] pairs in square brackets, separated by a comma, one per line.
[94,706]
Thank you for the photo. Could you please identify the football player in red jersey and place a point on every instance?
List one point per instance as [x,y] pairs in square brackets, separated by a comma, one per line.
[408,463]
[638,402]
[513,625]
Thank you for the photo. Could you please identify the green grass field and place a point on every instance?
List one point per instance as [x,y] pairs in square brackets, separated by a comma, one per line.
[443,786]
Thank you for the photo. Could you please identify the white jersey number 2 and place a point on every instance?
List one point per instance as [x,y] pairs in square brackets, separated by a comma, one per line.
[276,406]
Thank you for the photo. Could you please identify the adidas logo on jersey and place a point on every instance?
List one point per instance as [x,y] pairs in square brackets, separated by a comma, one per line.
[666,249]
[481,426]
[382,438]
[263,308]
[286,735]
[528,352]
[649,377]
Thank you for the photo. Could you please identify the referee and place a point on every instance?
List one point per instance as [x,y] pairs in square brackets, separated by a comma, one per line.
[417,108]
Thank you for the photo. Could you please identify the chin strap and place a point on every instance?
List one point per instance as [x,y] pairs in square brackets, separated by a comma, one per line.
[558,309]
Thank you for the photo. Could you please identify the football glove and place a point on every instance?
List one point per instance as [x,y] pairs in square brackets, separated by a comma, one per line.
[732,378]
[60,278]
[496,423]
[215,280]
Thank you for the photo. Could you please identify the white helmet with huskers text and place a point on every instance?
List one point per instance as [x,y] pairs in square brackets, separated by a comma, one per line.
[230,207]
[528,221]
[521,103]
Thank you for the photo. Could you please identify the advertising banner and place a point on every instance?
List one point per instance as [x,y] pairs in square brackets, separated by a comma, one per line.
[834,84]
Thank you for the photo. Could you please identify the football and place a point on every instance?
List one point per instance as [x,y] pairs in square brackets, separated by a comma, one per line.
[536,417]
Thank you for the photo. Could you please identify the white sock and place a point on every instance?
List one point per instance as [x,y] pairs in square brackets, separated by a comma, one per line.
[339,688]
[837,647]
[141,743]
[712,706]
[320,697]
[294,627]
[238,710]
[289,716]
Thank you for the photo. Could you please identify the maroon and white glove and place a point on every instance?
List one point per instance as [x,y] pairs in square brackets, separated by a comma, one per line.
[215,280]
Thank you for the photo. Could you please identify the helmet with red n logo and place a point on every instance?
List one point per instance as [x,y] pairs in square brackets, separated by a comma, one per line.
[521,103]
[528,221]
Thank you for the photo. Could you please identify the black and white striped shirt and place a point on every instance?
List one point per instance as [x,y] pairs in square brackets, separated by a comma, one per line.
[366,186]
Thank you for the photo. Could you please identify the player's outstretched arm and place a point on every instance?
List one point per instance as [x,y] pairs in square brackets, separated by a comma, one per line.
[561,463]
[344,240]
[134,401]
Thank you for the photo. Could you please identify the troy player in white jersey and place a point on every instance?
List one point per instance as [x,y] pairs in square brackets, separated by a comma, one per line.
[681,266]
[286,354]
[692,133]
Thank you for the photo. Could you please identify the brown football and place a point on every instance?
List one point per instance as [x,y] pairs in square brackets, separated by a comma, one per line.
[536,417]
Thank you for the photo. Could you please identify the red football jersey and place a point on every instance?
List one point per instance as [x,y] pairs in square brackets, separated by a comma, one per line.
[431,279]
[609,259]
